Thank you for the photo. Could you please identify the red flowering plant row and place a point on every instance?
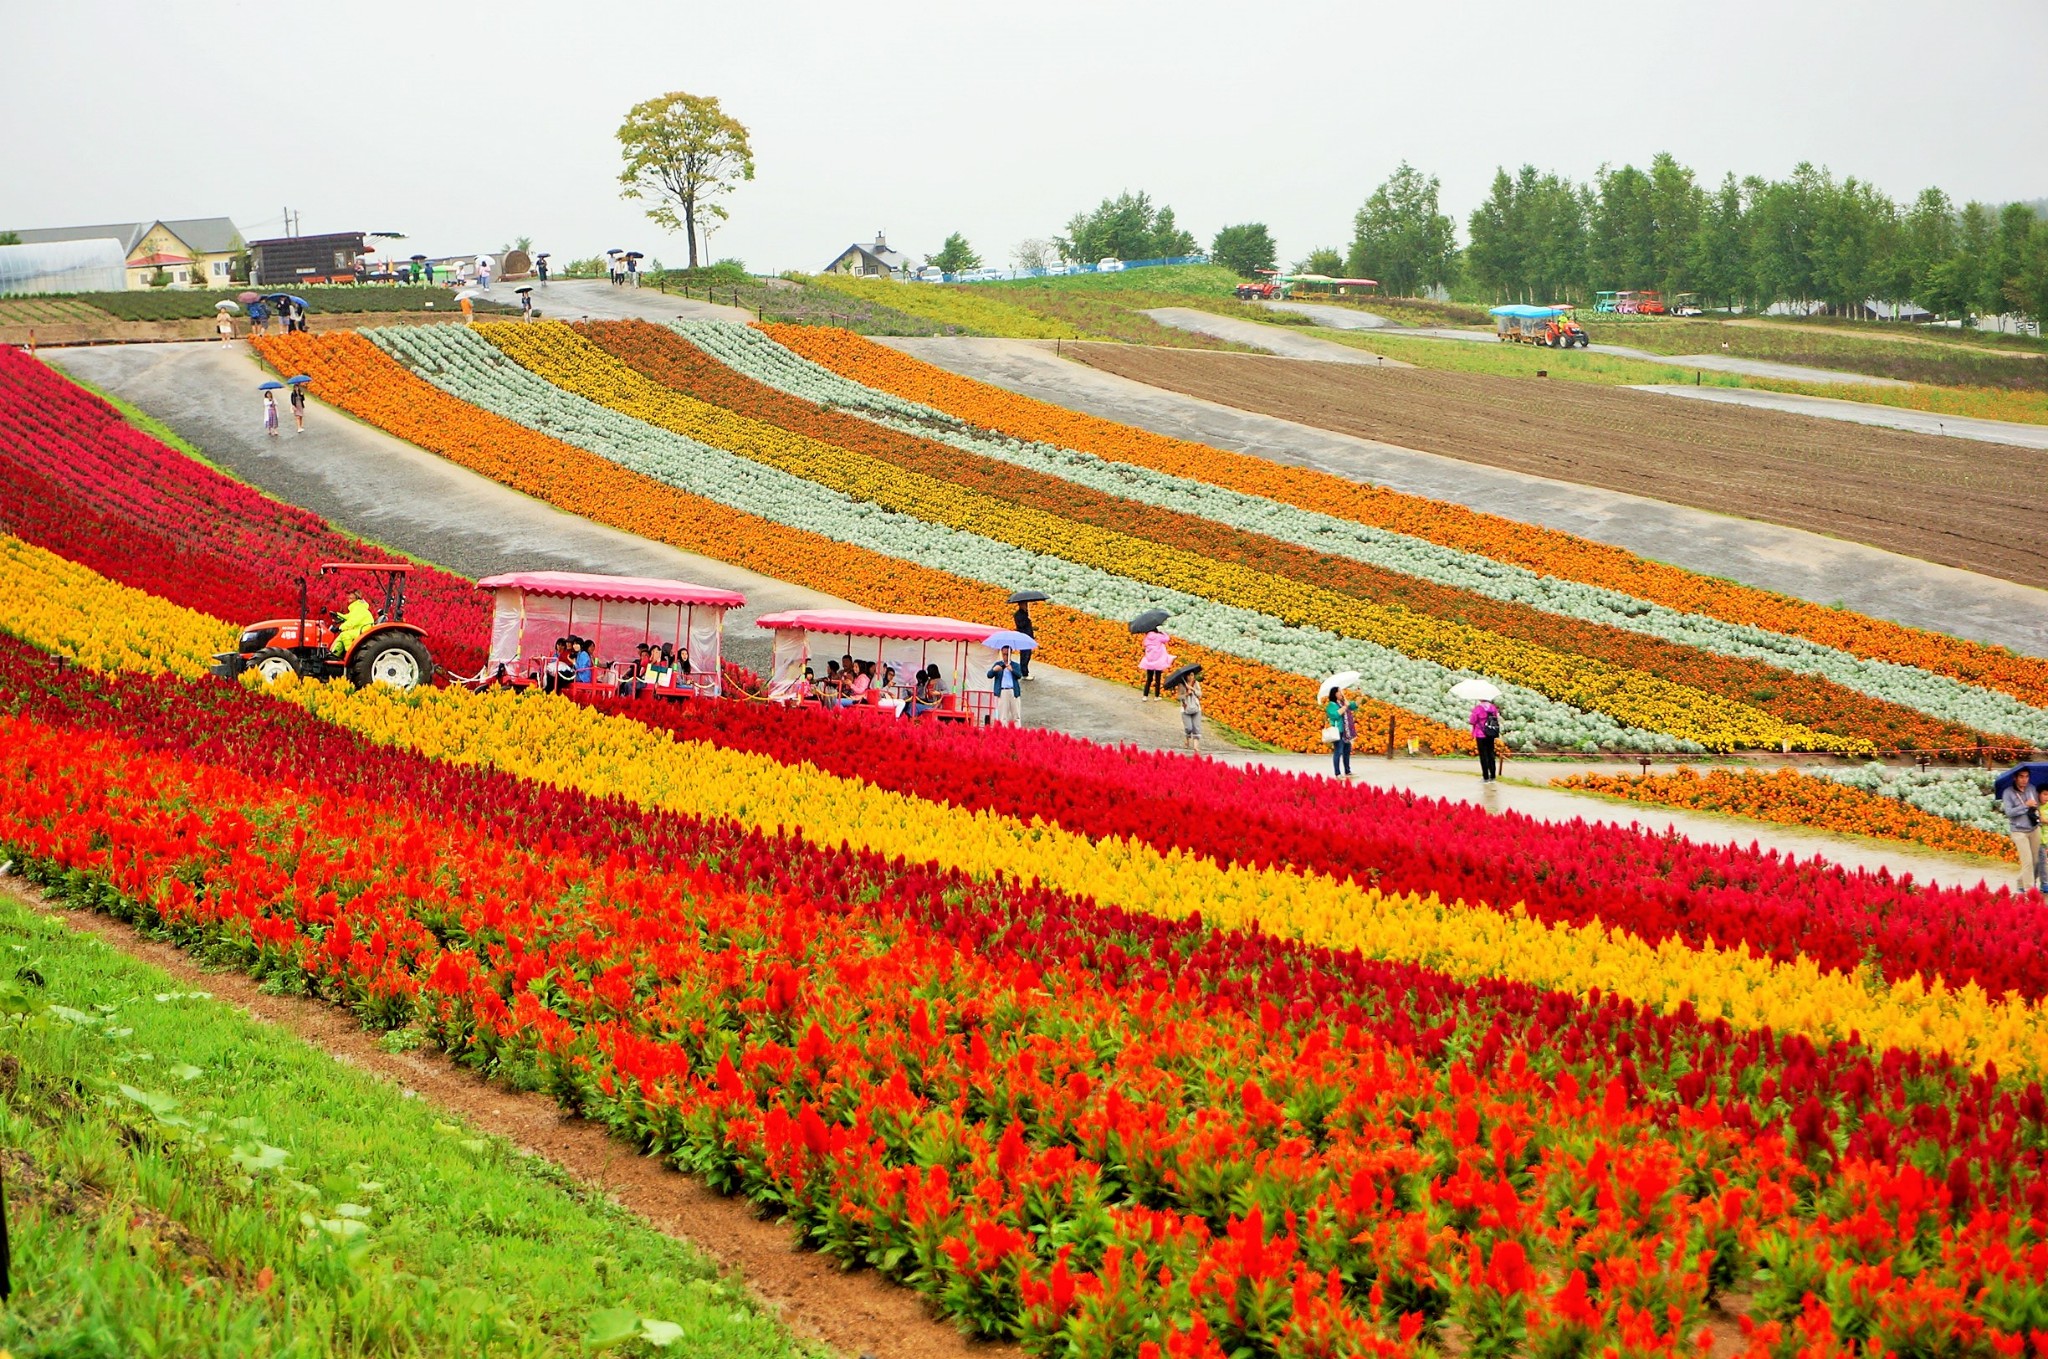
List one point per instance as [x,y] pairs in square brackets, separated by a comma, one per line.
[1658,886]
[1056,1120]
[81,481]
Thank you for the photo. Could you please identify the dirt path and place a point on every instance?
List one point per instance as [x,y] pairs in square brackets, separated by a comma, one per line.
[1794,561]
[369,483]
[856,1313]
[2007,432]
[1962,504]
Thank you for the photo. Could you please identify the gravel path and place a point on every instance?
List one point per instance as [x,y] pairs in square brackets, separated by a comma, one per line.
[1334,318]
[595,299]
[1810,565]
[369,483]
[1286,341]
[2009,432]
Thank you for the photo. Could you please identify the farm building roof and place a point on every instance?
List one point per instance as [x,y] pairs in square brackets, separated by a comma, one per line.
[205,235]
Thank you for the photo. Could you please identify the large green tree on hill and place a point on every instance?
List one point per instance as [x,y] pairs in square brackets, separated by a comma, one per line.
[1126,227]
[683,153]
[1244,249]
[1401,237]
[956,256]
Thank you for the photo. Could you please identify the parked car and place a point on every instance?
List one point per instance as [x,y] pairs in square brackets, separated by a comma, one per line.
[1109,266]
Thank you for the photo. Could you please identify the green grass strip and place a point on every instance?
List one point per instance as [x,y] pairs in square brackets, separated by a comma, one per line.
[185,1180]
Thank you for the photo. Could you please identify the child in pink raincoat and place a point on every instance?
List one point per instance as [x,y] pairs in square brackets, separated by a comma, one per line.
[1155,662]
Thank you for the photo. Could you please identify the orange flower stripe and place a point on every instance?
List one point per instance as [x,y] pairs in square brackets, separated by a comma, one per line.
[1791,798]
[361,379]
[1544,550]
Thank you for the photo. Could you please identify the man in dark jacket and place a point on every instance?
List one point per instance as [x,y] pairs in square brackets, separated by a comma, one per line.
[1022,623]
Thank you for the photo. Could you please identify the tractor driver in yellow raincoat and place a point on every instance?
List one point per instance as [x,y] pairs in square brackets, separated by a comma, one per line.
[355,621]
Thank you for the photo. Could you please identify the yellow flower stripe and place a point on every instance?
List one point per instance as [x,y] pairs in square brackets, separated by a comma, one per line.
[555,352]
[572,746]
[58,605]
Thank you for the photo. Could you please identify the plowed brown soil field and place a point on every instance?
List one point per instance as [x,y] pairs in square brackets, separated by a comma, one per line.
[1955,501]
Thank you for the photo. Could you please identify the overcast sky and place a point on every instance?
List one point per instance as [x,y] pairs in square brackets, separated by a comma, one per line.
[466,124]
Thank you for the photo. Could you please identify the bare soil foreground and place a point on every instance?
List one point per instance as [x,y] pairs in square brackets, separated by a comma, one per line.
[1961,503]
[858,1313]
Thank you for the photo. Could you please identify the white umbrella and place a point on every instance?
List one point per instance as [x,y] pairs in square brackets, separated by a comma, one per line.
[225,305]
[1478,690]
[1343,679]
[470,293]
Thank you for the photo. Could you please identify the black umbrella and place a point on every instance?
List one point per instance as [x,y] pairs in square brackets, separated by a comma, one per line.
[542,255]
[418,259]
[1028,596]
[1149,620]
[1181,676]
[634,255]
[522,290]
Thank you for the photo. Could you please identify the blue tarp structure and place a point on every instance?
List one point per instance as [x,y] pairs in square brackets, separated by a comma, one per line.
[89,266]
[1528,313]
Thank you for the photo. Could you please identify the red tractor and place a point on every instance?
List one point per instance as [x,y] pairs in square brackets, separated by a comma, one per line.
[388,650]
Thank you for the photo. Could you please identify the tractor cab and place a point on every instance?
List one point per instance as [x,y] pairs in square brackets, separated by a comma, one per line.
[1564,331]
[371,645]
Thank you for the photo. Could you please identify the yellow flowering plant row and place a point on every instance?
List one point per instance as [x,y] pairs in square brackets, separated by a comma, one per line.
[554,741]
[557,353]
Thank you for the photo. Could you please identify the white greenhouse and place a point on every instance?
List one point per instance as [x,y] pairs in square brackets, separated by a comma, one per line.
[96,265]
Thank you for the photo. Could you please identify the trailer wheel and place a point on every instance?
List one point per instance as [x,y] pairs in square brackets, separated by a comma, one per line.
[398,659]
[274,663]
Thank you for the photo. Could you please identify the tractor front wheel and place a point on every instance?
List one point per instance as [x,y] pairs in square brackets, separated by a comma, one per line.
[398,659]
[274,663]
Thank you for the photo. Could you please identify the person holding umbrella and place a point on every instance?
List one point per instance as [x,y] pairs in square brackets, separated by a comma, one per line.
[1154,659]
[224,319]
[1021,623]
[270,408]
[1188,682]
[1485,723]
[298,386]
[540,267]
[1009,696]
[525,303]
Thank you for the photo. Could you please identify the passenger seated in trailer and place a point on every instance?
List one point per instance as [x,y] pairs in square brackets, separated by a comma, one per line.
[833,686]
[925,697]
[635,682]
[559,669]
[585,660]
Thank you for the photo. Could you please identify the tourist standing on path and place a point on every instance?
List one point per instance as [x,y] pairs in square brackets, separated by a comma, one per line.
[270,414]
[1154,662]
[299,407]
[1486,731]
[526,306]
[1021,621]
[1342,714]
[540,267]
[468,310]
[2021,804]
[1191,712]
[427,268]
[226,325]
[1009,696]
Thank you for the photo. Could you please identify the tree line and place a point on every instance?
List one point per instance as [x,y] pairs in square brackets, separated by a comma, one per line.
[1809,238]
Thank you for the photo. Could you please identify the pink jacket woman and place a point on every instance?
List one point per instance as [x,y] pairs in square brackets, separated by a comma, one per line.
[1156,656]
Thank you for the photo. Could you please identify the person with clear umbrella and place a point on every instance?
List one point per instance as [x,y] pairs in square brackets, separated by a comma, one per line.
[1340,715]
[1485,723]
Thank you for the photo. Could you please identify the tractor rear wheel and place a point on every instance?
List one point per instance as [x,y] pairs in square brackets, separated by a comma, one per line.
[274,663]
[398,659]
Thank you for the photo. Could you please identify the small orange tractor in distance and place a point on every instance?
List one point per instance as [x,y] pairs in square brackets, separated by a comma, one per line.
[1552,327]
[388,650]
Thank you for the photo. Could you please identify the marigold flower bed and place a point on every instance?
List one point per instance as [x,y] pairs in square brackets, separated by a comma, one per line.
[1545,550]
[1060,1124]
[358,377]
[1795,799]
[667,358]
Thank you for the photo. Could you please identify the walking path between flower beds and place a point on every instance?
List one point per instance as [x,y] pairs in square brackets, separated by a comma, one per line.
[1866,579]
[1523,788]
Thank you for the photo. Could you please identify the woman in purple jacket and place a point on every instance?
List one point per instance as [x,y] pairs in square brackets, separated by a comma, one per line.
[1486,730]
